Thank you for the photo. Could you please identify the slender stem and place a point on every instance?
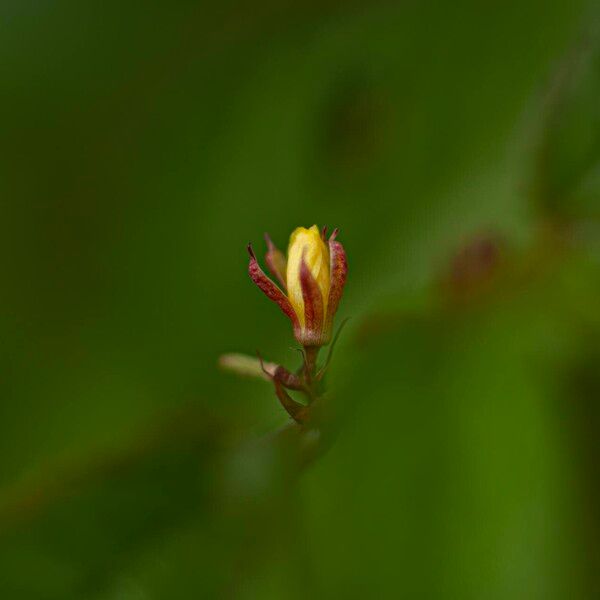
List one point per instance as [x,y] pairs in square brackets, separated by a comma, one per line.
[310,366]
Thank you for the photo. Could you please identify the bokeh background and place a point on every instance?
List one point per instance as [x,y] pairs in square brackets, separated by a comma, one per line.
[457,147]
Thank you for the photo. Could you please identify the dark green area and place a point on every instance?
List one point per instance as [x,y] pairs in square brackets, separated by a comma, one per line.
[457,147]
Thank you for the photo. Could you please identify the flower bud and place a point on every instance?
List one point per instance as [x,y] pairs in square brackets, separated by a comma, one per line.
[308,276]
[315,275]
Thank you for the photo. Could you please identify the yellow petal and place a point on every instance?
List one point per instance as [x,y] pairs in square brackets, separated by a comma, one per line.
[307,242]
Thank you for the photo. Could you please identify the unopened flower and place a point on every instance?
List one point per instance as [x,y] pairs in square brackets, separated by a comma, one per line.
[312,280]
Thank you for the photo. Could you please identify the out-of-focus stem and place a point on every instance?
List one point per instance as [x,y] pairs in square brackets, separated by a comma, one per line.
[247,366]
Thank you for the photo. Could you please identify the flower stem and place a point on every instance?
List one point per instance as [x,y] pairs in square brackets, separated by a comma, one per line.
[310,369]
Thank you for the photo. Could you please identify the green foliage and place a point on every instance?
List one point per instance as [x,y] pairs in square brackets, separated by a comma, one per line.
[143,147]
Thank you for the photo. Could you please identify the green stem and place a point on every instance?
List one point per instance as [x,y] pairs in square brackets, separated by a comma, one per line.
[310,369]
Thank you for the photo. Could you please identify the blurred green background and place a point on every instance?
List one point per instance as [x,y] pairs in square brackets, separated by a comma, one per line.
[457,147]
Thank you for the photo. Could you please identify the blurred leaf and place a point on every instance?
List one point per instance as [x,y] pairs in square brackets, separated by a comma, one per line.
[568,163]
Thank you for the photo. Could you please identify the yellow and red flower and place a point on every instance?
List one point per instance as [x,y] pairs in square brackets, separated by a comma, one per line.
[312,280]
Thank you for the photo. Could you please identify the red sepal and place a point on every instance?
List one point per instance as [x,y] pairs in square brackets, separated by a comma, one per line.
[269,288]
[276,261]
[313,307]
[338,270]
